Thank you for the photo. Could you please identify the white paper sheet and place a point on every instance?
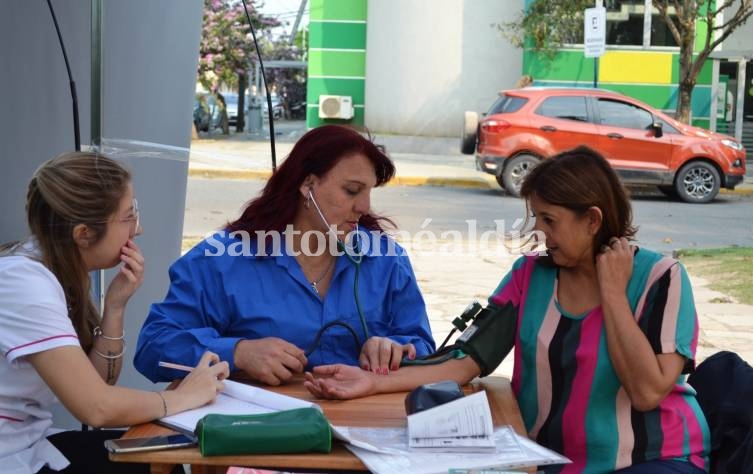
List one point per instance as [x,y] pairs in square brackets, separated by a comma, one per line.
[464,423]
[390,453]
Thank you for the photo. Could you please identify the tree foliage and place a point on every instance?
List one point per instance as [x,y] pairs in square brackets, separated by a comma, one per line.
[289,83]
[548,24]
[721,17]
[226,50]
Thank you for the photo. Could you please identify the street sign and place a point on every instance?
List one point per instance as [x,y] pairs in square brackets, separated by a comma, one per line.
[594,32]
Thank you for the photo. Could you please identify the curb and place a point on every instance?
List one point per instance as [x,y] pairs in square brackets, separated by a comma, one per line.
[473,183]
[215,173]
[740,191]
[469,183]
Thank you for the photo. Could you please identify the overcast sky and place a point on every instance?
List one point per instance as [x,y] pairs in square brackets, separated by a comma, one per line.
[285,11]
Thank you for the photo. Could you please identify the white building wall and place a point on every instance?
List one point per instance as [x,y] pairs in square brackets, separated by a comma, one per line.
[427,61]
[741,39]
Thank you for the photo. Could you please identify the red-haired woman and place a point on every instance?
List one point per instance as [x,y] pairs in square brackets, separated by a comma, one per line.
[306,276]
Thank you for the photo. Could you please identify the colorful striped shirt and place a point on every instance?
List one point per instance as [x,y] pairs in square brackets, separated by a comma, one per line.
[569,394]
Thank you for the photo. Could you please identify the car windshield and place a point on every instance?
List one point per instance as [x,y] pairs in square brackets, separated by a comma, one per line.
[506,104]
[231,99]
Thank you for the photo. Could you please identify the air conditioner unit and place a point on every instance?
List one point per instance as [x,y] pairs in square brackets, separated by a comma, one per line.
[335,107]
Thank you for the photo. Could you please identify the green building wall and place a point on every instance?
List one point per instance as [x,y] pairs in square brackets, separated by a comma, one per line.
[337,56]
[650,75]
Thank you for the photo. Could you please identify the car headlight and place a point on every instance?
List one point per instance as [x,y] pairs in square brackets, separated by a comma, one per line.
[732,144]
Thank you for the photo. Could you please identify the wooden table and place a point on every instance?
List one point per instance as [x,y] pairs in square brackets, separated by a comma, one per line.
[386,410]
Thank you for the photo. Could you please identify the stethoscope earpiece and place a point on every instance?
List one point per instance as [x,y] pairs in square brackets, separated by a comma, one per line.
[352,252]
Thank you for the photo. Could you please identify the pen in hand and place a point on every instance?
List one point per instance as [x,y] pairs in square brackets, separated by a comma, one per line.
[184,368]
[170,365]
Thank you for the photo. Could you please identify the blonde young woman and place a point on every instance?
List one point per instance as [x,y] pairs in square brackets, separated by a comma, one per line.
[82,216]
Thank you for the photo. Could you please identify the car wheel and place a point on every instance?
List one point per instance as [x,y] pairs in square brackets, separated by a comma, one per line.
[470,132]
[668,191]
[500,181]
[697,182]
[516,169]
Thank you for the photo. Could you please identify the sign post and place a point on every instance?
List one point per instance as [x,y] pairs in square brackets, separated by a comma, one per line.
[594,36]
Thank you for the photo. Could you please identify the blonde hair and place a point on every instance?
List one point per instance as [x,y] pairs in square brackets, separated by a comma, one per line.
[74,188]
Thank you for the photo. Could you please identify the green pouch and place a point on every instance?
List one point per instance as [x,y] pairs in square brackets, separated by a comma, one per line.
[289,431]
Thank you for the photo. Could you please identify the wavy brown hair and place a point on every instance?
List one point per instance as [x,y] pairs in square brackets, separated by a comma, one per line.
[579,179]
[74,188]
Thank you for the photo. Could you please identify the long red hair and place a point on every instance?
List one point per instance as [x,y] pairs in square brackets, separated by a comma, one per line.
[317,152]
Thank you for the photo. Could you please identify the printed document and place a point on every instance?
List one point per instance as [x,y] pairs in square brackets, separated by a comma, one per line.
[464,423]
[385,450]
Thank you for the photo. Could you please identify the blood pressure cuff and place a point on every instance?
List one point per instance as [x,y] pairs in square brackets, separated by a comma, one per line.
[289,431]
[491,336]
[432,394]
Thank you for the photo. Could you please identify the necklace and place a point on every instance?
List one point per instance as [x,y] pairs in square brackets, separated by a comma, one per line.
[315,282]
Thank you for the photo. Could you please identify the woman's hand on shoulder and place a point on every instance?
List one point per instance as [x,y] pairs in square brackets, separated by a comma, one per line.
[382,354]
[202,384]
[614,267]
[129,278]
[340,381]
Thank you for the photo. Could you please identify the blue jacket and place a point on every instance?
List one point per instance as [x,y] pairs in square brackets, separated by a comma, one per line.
[217,298]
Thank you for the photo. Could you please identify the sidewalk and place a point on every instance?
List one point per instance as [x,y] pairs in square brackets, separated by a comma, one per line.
[418,160]
[451,282]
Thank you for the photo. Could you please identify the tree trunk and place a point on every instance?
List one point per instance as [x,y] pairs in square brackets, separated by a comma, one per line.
[684,102]
[240,121]
[687,78]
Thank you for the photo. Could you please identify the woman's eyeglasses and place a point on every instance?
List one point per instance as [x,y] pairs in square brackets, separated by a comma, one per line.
[136,218]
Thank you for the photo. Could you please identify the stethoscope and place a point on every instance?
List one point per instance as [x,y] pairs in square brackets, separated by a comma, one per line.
[353,254]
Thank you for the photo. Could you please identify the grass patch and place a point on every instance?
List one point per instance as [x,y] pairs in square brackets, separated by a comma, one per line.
[729,270]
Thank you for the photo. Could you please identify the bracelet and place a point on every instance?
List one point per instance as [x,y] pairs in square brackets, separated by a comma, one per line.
[98,333]
[164,404]
[110,357]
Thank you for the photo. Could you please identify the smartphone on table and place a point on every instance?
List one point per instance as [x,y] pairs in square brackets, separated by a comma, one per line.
[131,445]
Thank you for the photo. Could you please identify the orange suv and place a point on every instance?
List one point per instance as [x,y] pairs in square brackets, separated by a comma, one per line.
[644,145]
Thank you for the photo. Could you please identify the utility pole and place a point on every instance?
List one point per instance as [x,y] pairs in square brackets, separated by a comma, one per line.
[297,22]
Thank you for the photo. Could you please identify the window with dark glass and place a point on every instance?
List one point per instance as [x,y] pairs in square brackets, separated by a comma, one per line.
[506,104]
[630,24]
[569,108]
[666,126]
[621,114]
[625,22]
[660,34]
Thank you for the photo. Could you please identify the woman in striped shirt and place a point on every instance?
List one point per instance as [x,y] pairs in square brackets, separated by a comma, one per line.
[605,334]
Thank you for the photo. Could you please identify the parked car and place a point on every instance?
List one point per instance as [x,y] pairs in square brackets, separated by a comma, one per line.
[644,145]
[207,114]
[231,106]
